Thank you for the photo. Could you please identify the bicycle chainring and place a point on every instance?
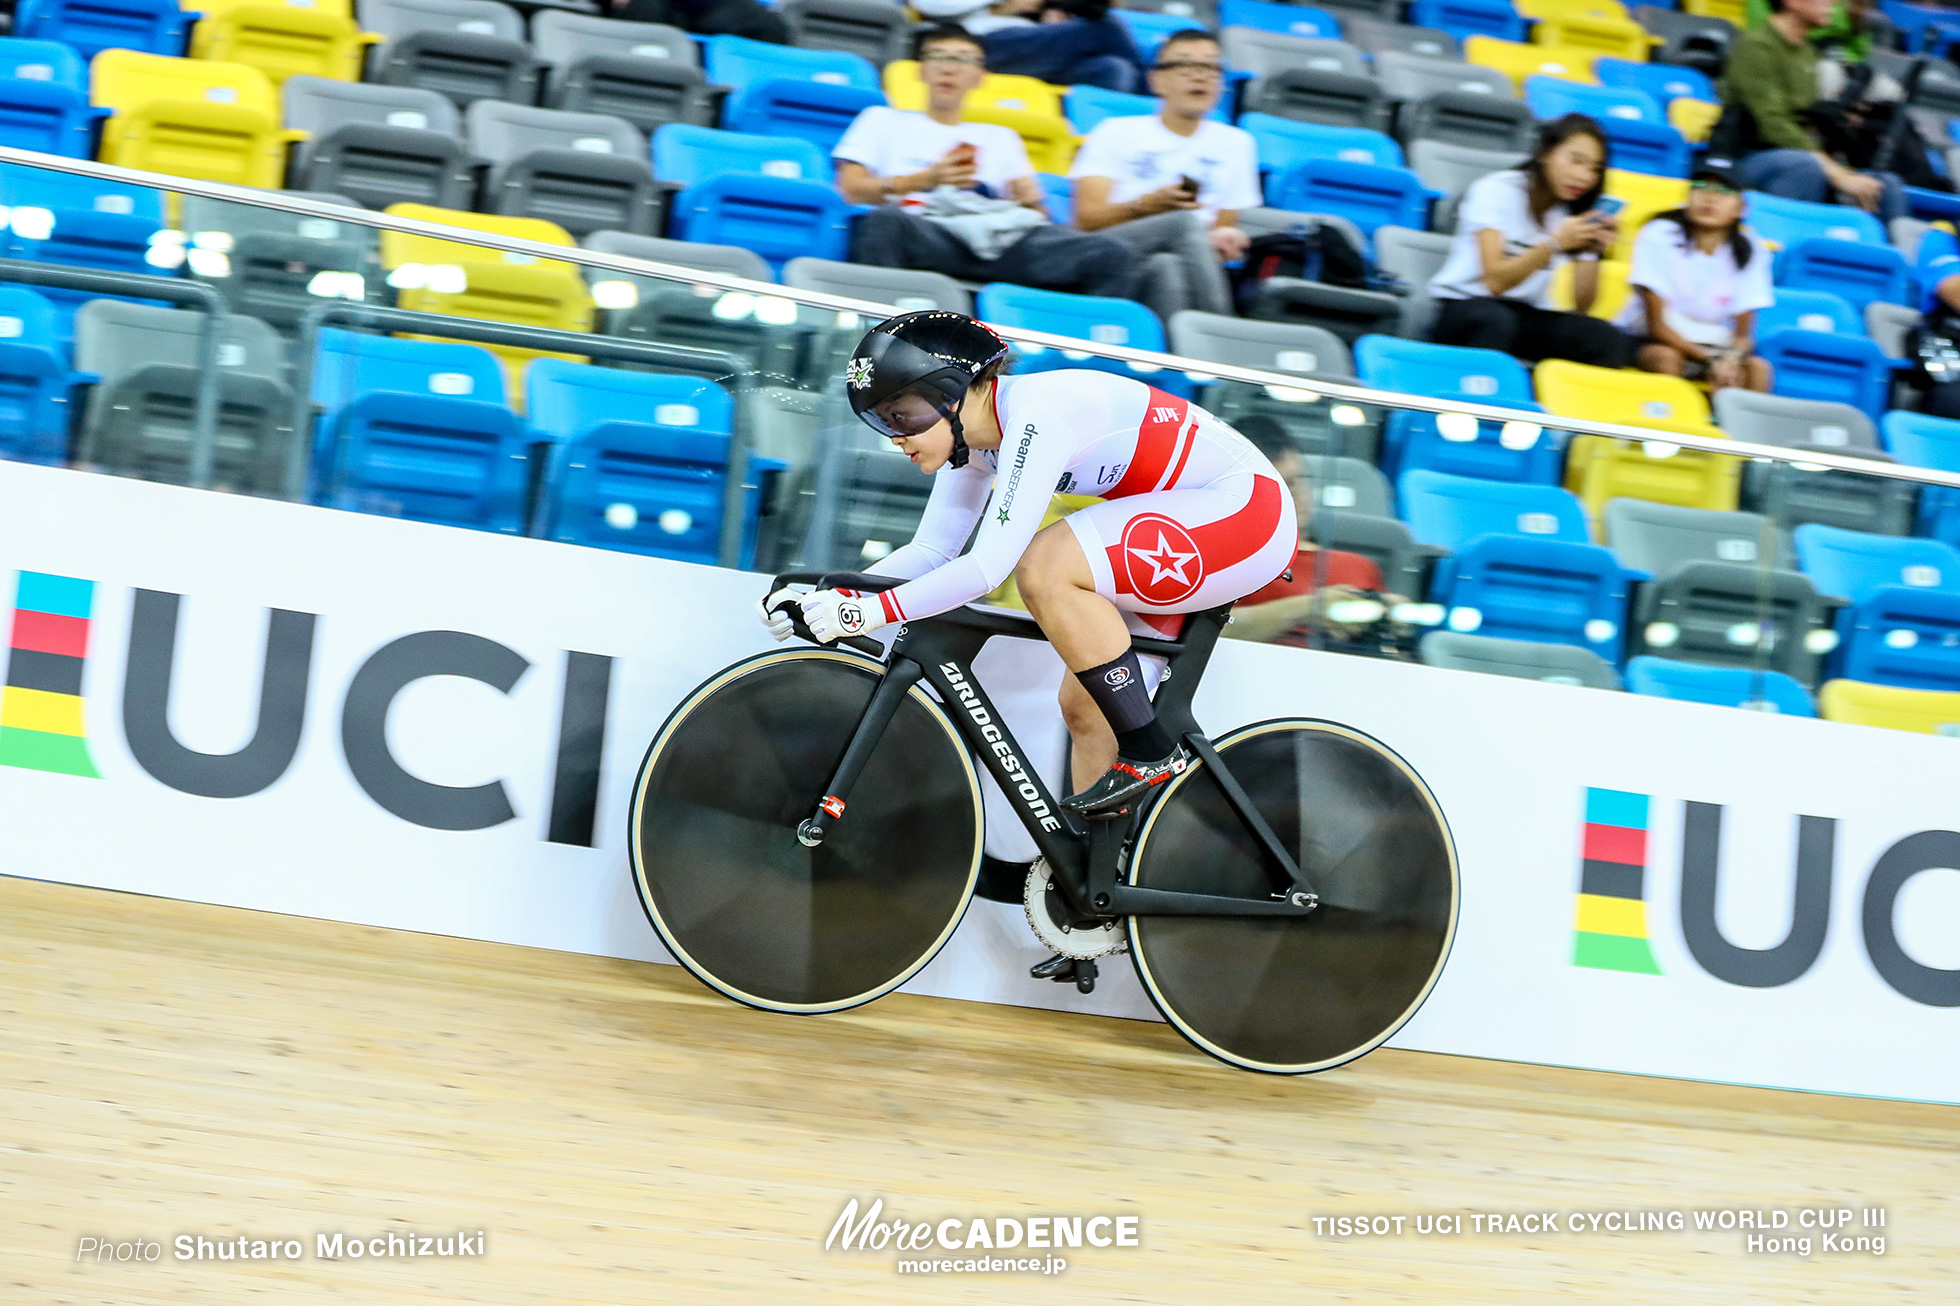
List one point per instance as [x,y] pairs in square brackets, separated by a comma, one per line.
[1047,910]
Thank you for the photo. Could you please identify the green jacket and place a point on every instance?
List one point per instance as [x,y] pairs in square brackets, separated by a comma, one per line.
[1854,45]
[1775,78]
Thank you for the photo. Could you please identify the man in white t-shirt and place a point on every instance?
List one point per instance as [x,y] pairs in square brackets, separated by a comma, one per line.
[889,155]
[1173,183]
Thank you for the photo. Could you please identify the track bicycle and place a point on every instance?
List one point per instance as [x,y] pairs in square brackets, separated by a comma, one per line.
[807,829]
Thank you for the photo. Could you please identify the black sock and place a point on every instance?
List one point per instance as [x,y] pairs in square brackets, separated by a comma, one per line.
[1118,690]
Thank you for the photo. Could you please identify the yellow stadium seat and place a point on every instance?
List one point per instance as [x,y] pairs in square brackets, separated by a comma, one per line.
[1927,711]
[1599,468]
[996,90]
[1693,118]
[1518,61]
[210,8]
[1051,141]
[1609,297]
[398,248]
[190,118]
[549,295]
[283,39]
[1619,38]
[1735,11]
[1645,196]
[1008,593]
[1542,10]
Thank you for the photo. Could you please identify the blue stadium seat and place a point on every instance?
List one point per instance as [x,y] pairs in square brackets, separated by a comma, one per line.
[1917,23]
[1412,441]
[1086,106]
[1822,365]
[1522,564]
[1083,317]
[639,461]
[1148,30]
[43,61]
[1461,18]
[1786,222]
[782,91]
[47,116]
[1364,194]
[92,26]
[1721,686]
[1664,81]
[1812,310]
[419,429]
[1283,142]
[1903,625]
[1060,192]
[1861,273]
[1923,440]
[1554,97]
[36,384]
[81,222]
[1266,16]
[768,194]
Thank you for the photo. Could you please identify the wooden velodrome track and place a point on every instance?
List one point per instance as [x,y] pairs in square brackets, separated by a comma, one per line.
[625,1137]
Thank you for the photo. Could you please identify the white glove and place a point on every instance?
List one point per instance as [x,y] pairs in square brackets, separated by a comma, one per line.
[833,614]
[778,623]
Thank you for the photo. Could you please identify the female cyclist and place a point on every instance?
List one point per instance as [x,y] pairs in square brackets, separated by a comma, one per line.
[1193,516]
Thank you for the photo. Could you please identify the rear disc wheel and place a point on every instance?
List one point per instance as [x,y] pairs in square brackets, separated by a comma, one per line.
[736,896]
[1291,995]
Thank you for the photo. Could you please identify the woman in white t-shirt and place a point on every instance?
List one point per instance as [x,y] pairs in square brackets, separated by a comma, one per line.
[1513,230]
[1697,283]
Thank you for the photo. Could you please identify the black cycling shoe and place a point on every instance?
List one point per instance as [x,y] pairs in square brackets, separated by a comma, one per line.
[1125,782]
[1058,968]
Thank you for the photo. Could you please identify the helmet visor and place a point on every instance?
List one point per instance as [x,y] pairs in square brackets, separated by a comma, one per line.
[912,411]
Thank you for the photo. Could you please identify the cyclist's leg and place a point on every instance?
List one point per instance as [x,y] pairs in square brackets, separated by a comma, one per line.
[1152,555]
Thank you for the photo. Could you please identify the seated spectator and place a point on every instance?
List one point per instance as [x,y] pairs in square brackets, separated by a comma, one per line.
[937,163]
[1513,230]
[748,18]
[1697,283]
[978,16]
[1937,274]
[1324,580]
[1071,43]
[1771,79]
[1134,178]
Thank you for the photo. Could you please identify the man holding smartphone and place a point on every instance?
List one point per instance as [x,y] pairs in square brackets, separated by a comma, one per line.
[1172,183]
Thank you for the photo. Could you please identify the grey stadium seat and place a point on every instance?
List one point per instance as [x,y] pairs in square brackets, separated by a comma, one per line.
[1379,38]
[584,171]
[1451,168]
[1794,495]
[1328,98]
[1202,13]
[467,50]
[1687,40]
[1555,664]
[1384,540]
[1412,77]
[1307,352]
[872,29]
[902,288]
[1347,11]
[1905,232]
[1352,485]
[646,73]
[201,214]
[1708,588]
[272,275]
[1777,419]
[1259,54]
[379,145]
[1887,325]
[1349,314]
[1479,121]
[140,414]
[671,311]
[1416,257]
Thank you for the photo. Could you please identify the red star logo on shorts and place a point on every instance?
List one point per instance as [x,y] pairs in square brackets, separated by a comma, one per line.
[1161,562]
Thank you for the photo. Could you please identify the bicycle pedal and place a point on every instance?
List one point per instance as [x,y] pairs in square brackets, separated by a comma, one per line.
[1085,976]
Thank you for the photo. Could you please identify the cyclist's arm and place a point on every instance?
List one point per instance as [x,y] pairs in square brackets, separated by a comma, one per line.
[1011,520]
[957,497]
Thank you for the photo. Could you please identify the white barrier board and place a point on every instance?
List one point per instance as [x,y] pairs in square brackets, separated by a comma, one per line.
[409,772]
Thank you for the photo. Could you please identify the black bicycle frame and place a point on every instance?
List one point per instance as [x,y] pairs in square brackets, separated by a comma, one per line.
[1082,856]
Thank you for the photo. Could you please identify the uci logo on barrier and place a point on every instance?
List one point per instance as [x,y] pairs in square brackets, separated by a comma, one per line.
[42,726]
[1612,933]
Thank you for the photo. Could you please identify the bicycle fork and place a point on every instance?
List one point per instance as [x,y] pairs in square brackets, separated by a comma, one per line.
[899,678]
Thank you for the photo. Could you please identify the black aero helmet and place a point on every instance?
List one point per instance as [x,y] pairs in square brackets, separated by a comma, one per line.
[914,369]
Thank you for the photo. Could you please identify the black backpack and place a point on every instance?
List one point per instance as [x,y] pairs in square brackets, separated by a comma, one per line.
[1310,251]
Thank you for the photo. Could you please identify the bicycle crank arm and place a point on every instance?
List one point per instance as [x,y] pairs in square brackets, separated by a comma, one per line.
[1127,900]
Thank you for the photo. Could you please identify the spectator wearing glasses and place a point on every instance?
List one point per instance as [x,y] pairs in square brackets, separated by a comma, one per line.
[1698,282]
[1513,231]
[1173,182]
[933,174]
